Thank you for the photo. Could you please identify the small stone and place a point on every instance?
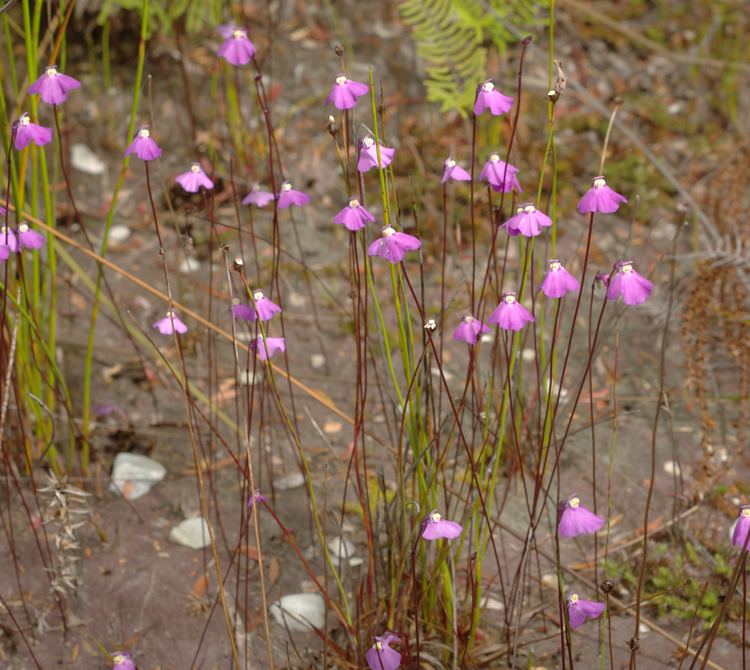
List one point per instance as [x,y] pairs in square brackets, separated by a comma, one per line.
[84,159]
[332,427]
[119,233]
[296,299]
[490,603]
[341,548]
[191,533]
[317,361]
[189,265]
[133,475]
[356,561]
[245,377]
[293,481]
[436,371]
[299,612]
[528,355]
[643,629]
[549,580]
[672,468]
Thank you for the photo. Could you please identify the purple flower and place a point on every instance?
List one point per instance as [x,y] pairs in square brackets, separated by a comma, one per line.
[575,519]
[393,245]
[344,92]
[469,330]
[579,610]
[558,281]
[257,497]
[741,528]
[8,242]
[528,221]
[171,323]
[194,179]
[600,198]
[510,314]
[143,146]
[381,656]
[626,282]
[354,216]
[27,132]
[53,86]
[289,196]
[368,155]
[28,239]
[488,97]
[236,49]
[257,197]
[266,308]
[435,527]
[500,175]
[454,171]
[123,660]
[266,349]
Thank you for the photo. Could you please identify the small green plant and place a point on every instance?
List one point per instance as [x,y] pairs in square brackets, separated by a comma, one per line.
[197,14]
[454,37]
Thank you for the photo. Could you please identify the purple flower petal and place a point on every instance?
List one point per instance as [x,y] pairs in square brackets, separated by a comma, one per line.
[143,146]
[600,198]
[453,171]
[393,245]
[194,179]
[489,98]
[28,132]
[170,324]
[625,282]
[344,92]
[575,519]
[237,49]
[558,281]
[741,528]
[258,198]
[435,527]
[579,610]
[501,176]
[368,155]
[469,330]
[53,86]
[510,314]
[289,196]
[354,216]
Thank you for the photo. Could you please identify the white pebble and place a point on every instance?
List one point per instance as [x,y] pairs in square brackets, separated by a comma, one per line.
[293,481]
[549,580]
[189,265]
[672,468]
[85,160]
[341,548]
[490,603]
[133,475]
[191,533]
[119,233]
[299,612]
[317,360]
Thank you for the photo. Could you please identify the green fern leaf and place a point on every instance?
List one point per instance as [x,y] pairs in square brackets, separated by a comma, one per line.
[451,37]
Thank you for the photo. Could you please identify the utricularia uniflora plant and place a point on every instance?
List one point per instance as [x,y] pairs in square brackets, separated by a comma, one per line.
[67,510]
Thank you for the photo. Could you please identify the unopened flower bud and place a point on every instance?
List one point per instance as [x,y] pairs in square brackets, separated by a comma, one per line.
[238,265]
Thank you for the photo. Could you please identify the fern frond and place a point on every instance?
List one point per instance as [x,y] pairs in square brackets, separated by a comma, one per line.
[451,36]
